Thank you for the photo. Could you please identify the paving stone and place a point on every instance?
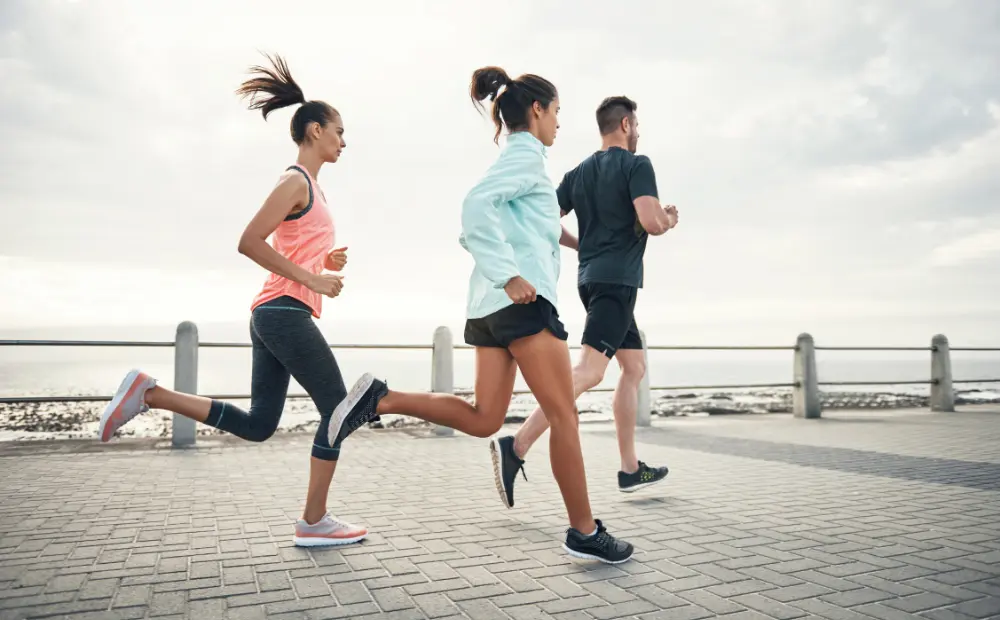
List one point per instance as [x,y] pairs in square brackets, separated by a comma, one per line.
[711,602]
[621,610]
[66,583]
[129,596]
[889,518]
[168,603]
[435,605]
[350,593]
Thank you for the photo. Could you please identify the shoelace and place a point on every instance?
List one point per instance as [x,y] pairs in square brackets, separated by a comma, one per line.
[338,522]
[603,539]
[369,412]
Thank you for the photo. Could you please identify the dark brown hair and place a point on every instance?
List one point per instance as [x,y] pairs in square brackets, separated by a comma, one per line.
[273,88]
[611,112]
[510,108]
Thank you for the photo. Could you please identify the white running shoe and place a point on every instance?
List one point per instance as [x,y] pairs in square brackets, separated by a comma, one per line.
[328,531]
[127,403]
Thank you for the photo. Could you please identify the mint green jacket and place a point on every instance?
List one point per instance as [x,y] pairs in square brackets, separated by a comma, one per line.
[511,227]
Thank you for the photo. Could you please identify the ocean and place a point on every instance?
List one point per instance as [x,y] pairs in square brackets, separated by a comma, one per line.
[74,371]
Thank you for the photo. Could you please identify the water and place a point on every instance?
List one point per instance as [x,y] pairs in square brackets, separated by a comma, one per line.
[65,371]
[78,371]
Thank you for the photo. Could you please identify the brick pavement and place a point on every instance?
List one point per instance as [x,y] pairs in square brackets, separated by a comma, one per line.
[883,515]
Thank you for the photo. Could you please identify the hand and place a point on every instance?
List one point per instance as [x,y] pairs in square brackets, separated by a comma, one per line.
[519,290]
[326,284]
[336,259]
[672,216]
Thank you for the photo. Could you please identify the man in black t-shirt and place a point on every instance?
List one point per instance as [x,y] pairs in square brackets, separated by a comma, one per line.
[613,193]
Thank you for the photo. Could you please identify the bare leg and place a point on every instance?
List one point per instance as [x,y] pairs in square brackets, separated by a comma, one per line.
[197,408]
[588,372]
[320,477]
[495,374]
[545,365]
[187,405]
[626,403]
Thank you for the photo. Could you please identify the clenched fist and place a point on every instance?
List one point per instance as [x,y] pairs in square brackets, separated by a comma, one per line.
[336,259]
[519,290]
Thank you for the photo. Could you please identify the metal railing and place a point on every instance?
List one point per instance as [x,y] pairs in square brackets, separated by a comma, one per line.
[805,383]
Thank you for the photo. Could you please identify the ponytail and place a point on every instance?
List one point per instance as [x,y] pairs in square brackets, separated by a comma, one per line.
[272,88]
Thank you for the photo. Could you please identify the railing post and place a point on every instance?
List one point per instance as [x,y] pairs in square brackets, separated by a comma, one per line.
[805,394]
[443,370]
[644,414]
[185,380]
[942,392]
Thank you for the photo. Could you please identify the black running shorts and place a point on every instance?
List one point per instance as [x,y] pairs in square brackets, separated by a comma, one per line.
[610,322]
[516,321]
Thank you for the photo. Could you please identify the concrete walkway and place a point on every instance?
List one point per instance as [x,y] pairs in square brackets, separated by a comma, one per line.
[859,515]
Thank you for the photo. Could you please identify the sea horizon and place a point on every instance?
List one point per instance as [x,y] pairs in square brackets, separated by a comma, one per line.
[52,371]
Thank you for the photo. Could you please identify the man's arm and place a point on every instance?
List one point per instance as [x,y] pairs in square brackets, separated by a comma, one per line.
[568,240]
[653,218]
[565,195]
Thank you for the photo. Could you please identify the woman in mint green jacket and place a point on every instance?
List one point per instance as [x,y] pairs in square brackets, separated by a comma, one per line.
[511,227]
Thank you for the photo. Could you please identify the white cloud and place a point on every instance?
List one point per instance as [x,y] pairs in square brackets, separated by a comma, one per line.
[822,154]
[983,246]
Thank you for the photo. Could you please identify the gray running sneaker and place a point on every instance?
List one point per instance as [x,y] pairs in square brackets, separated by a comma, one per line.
[127,403]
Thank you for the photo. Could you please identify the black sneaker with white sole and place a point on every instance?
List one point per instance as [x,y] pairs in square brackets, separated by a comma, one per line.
[359,408]
[642,477]
[600,546]
[506,464]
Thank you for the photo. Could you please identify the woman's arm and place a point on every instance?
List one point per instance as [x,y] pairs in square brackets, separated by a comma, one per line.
[292,191]
[512,175]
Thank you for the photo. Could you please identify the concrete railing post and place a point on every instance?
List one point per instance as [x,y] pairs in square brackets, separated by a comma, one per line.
[185,380]
[443,370]
[805,395]
[644,412]
[942,392]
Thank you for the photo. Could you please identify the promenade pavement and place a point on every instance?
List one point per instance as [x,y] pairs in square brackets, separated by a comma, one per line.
[859,515]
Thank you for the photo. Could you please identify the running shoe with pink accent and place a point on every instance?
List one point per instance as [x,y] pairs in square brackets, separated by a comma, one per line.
[127,403]
[328,531]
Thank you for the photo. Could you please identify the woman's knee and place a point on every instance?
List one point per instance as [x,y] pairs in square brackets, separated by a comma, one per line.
[261,432]
[261,426]
[563,419]
[489,421]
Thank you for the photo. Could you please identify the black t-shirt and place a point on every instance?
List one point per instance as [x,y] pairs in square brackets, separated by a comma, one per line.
[601,190]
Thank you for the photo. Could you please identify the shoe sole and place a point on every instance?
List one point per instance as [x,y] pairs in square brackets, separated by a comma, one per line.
[497,473]
[318,541]
[640,486]
[361,387]
[587,556]
[114,407]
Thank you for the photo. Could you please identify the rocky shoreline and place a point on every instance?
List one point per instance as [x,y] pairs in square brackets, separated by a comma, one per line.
[75,420]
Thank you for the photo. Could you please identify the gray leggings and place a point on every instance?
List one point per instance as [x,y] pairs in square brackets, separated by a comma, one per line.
[286,343]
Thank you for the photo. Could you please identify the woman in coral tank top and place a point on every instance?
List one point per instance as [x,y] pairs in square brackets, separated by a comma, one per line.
[286,341]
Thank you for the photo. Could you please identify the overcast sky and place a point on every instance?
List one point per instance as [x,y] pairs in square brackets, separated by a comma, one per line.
[835,163]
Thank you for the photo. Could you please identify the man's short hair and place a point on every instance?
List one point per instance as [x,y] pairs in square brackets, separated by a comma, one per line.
[611,112]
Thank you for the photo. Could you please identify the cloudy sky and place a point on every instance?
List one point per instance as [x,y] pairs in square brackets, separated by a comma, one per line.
[835,163]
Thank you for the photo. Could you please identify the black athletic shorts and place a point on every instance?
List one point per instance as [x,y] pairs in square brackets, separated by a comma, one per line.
[513,322]
[610,318]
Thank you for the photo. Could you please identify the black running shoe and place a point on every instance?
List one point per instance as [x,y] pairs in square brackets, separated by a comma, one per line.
[359,408]
[506,464]
[643,477]
[601,546]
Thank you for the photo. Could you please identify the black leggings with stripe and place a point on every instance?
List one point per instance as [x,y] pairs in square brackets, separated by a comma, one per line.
[286,343]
